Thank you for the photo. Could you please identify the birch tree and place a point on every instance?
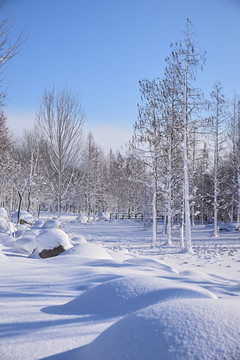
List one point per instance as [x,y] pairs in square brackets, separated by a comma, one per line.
[60,117]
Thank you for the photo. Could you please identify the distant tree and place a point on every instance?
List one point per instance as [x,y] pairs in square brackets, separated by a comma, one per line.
[60,117]
[147,140]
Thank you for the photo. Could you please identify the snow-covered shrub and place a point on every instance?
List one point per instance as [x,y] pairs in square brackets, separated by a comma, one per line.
[104,216]
[52,242]
[82,219]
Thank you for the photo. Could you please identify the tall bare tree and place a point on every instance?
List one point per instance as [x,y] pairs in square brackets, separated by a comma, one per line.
[61,117]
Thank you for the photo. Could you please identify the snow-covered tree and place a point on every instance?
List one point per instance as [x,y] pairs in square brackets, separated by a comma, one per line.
[147,140]
[218,107]
[190,60]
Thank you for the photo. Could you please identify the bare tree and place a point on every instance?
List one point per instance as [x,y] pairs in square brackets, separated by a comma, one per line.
[8,48]
[61,117]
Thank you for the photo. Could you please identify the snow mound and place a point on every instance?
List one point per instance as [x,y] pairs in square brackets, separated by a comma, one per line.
[4,213]
[152,263]
[88,250]
[24,215]
[80,239]
[51,224]
[83,219]
[52,238]
[176,330]
[127,294]
[26,244]
[38,224]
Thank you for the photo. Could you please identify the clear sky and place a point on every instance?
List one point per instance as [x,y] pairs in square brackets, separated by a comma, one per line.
[102,48]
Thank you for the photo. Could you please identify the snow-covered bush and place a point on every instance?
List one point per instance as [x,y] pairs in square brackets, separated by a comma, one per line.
[52,242]
[82,219]
[104,216]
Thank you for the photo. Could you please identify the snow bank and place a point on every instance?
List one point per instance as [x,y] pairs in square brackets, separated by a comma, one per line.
[124,295]
[176,330]
[52,238]
[89,250]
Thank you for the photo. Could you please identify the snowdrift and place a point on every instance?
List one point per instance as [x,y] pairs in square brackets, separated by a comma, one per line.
[89,250]
[127,294]
[176,330]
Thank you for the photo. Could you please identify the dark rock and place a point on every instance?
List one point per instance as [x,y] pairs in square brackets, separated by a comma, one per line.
[46,253]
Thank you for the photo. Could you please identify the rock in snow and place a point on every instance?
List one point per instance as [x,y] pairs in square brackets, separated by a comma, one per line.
[52,242]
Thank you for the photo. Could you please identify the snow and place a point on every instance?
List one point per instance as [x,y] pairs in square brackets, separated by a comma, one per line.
[176,330]
[128,294]
[112,295]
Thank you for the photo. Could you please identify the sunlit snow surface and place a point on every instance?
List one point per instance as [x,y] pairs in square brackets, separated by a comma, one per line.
[113,296]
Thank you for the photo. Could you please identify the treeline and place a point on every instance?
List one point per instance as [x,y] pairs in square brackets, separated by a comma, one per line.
[183,161]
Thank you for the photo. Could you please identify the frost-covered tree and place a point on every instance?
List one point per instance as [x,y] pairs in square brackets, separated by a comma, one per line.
[191,58]
[218,107]
[60,117]
[147,140]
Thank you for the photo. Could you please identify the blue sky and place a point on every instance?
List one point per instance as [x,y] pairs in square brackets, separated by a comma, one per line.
[103,48]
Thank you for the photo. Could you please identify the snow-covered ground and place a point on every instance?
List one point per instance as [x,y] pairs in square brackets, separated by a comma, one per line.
[112,296]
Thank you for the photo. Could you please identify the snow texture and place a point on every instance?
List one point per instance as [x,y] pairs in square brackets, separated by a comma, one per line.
[175,330]
[117,297]
[122,296]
